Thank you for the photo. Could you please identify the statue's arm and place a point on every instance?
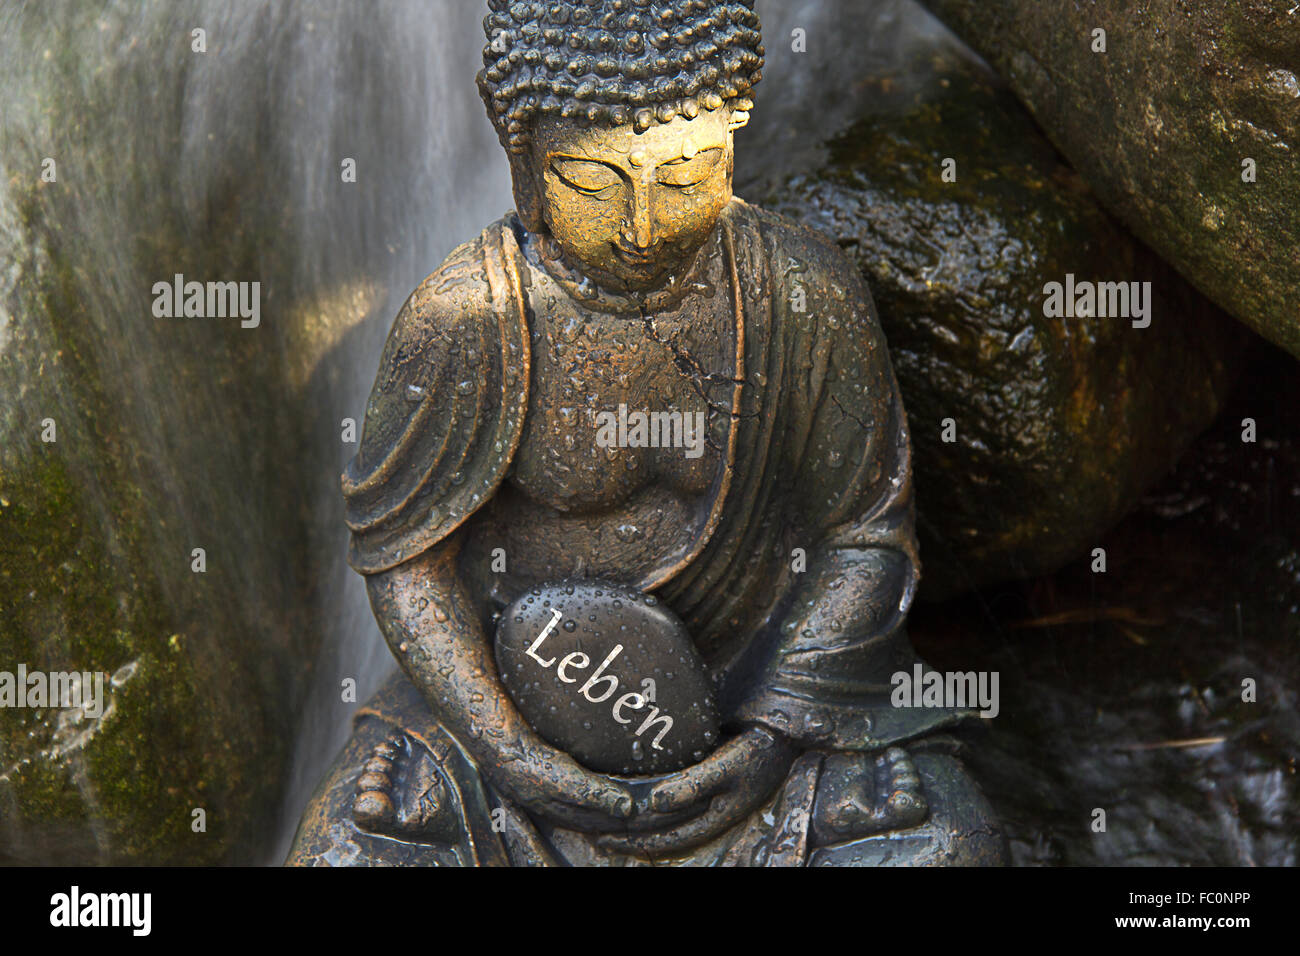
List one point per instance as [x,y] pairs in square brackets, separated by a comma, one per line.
[834,646]
[820,669]
[839,625]
[434,629]
[833,640]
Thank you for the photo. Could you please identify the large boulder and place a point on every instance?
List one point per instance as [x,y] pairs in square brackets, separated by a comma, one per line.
[1056,425]
[1128,690]
[1162,123]
[151,469]
[229,678]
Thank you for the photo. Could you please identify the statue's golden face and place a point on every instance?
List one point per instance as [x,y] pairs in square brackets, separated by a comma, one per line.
[630,208]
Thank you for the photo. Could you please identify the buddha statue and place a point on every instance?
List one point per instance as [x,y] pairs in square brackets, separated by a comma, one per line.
[779,543]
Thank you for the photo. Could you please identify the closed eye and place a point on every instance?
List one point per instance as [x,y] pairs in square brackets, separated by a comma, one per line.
[684,172]
[587,176]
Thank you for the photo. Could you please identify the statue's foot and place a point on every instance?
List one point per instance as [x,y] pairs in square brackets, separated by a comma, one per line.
[400,794]
[861,795]
[907,807]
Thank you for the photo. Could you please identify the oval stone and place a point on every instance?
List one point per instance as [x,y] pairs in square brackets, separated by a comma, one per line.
[610,676]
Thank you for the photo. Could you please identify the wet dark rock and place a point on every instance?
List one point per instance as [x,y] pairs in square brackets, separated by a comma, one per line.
[588,633]
[1126,692]
[1161,122]
[1060,424]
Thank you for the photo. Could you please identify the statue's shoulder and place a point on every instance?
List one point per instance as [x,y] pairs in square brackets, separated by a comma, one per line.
[448,404]
[783,232]
[825,321]
[458,297]
[820,287]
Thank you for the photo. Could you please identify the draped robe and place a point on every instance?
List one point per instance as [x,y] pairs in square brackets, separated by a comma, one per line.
[795,585]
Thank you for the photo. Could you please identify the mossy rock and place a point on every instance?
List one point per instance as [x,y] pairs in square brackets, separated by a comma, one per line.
[1161,123]
[168,435]
[1060,424]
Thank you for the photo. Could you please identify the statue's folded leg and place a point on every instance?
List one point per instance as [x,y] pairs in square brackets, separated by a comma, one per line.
[913,805]
[401,793]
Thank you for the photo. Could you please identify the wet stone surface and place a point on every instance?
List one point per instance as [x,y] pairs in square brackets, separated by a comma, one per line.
[608,675]
[1032,432]
[1186,127]
[1123,691]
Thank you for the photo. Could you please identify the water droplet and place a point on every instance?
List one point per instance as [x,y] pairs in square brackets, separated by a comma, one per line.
[572,625]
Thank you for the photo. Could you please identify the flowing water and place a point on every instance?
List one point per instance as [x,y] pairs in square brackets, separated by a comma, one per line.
[225,164]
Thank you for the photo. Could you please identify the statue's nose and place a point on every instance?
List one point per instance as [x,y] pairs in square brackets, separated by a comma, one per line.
[637,229]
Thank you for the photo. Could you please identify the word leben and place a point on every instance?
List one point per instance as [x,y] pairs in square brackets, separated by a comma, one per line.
[578,661]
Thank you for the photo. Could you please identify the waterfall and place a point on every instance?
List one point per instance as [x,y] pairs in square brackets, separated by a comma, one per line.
[225,164]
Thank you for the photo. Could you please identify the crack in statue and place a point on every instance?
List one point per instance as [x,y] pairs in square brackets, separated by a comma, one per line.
[618,117]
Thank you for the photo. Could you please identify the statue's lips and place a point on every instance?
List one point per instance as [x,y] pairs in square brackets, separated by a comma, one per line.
[638,257]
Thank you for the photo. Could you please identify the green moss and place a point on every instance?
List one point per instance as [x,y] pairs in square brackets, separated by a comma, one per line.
[94,575]
[90,616]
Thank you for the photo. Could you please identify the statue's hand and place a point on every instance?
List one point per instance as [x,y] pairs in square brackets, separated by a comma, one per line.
[740,773]
[553,784]
[694,805]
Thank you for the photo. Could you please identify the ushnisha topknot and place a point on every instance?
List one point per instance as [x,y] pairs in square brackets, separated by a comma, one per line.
[614,62]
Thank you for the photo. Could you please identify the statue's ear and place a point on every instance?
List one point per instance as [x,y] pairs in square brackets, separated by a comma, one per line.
[528,195]
[528,192]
